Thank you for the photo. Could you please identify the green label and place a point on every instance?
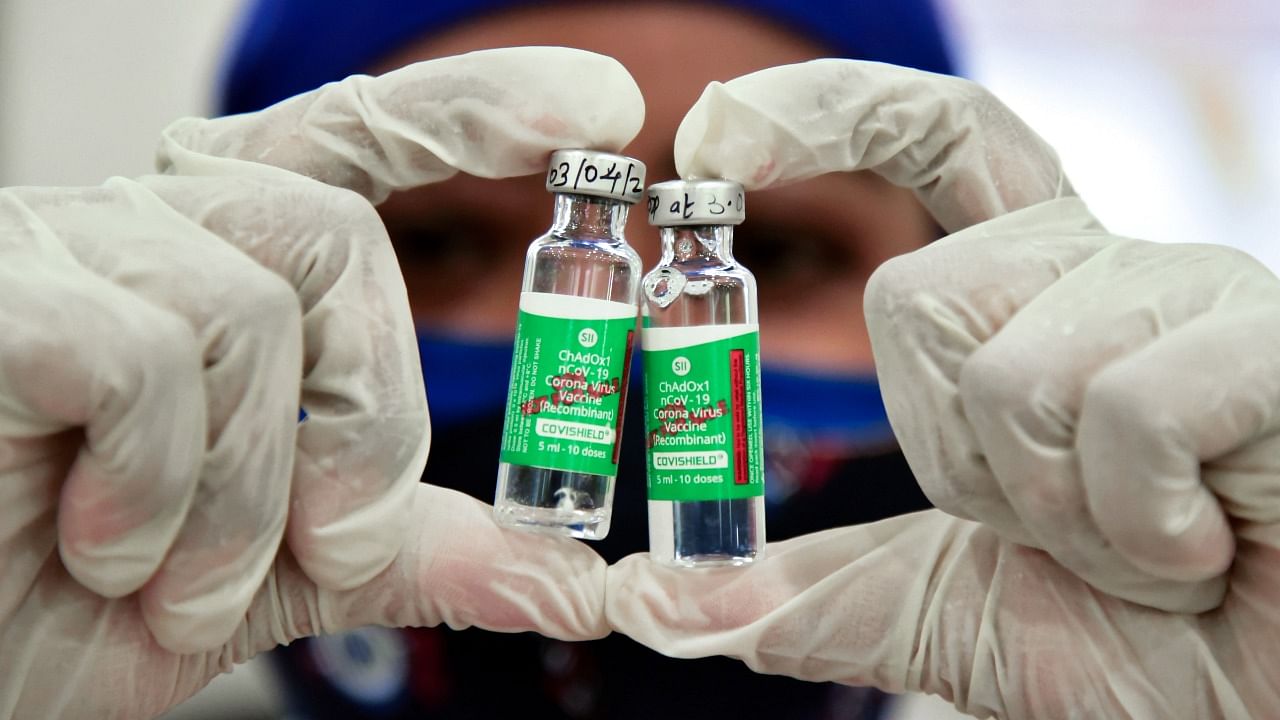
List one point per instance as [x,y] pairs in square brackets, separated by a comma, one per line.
[568,383]
[702,412]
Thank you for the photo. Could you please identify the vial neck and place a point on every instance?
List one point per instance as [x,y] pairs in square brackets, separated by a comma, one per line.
[697,244]
[588,216]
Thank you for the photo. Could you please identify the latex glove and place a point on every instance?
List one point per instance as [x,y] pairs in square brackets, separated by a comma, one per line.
[161,334]
[1111,401]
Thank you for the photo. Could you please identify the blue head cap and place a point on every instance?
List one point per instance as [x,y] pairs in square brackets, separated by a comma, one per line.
[285,47]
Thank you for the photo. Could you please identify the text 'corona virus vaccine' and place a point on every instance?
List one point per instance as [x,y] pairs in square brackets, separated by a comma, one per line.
[701,340]
[574,337]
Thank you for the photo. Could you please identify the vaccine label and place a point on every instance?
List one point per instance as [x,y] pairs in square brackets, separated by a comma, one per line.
[702,412]
[568,383]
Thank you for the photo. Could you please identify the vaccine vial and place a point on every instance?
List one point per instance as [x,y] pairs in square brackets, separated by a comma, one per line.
[701,341]
[574,337]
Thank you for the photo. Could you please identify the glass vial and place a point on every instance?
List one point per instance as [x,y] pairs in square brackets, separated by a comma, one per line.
[701,340]
[574,337]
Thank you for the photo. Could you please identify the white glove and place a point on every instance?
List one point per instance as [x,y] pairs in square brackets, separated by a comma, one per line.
[161,334]
[1113,402]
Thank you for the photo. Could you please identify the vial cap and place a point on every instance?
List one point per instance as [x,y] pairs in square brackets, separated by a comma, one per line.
[593,172]
[696,202]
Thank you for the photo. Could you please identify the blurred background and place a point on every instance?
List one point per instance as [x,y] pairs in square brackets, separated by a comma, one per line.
[1166,116]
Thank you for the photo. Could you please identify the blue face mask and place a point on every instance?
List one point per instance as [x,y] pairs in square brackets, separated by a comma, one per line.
[465,378]
[829,461]
[843,414]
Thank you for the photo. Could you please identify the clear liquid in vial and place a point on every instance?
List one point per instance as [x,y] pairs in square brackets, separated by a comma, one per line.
[584,256]
[712,290]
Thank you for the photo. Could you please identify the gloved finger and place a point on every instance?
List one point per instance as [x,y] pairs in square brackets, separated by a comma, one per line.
[1023,392]
[458,568]
[81,351]
[696,613]
[930,603]
[1158,418]
[929,310]
[493,113]
[840,605]
[363,446]
[248,327]
[967,156]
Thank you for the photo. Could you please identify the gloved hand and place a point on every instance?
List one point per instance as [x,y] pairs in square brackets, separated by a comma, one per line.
[1107,409]
[161,334]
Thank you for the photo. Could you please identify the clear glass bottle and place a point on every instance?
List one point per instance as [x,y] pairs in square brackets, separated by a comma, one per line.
[702,382]
[574,338]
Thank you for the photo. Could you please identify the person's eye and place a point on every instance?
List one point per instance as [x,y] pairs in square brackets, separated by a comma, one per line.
[785,258]
[441,243]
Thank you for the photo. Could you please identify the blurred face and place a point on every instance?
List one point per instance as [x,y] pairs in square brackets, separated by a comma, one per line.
[811,246]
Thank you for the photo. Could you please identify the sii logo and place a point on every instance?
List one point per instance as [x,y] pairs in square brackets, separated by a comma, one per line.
[681,366]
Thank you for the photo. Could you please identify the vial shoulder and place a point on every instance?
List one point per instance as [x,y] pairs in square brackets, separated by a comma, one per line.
[674,298]
[712,270]
[602,245]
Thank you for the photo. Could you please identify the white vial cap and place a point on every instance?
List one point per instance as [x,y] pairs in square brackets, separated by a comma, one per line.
[696,202]
[593,172]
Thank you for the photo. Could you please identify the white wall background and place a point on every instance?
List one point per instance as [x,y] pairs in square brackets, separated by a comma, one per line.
[1166,114]
[85,87]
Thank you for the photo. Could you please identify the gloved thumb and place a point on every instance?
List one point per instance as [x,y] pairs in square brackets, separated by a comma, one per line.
[70,653]
[458,569]
[930,603]
[841,605]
